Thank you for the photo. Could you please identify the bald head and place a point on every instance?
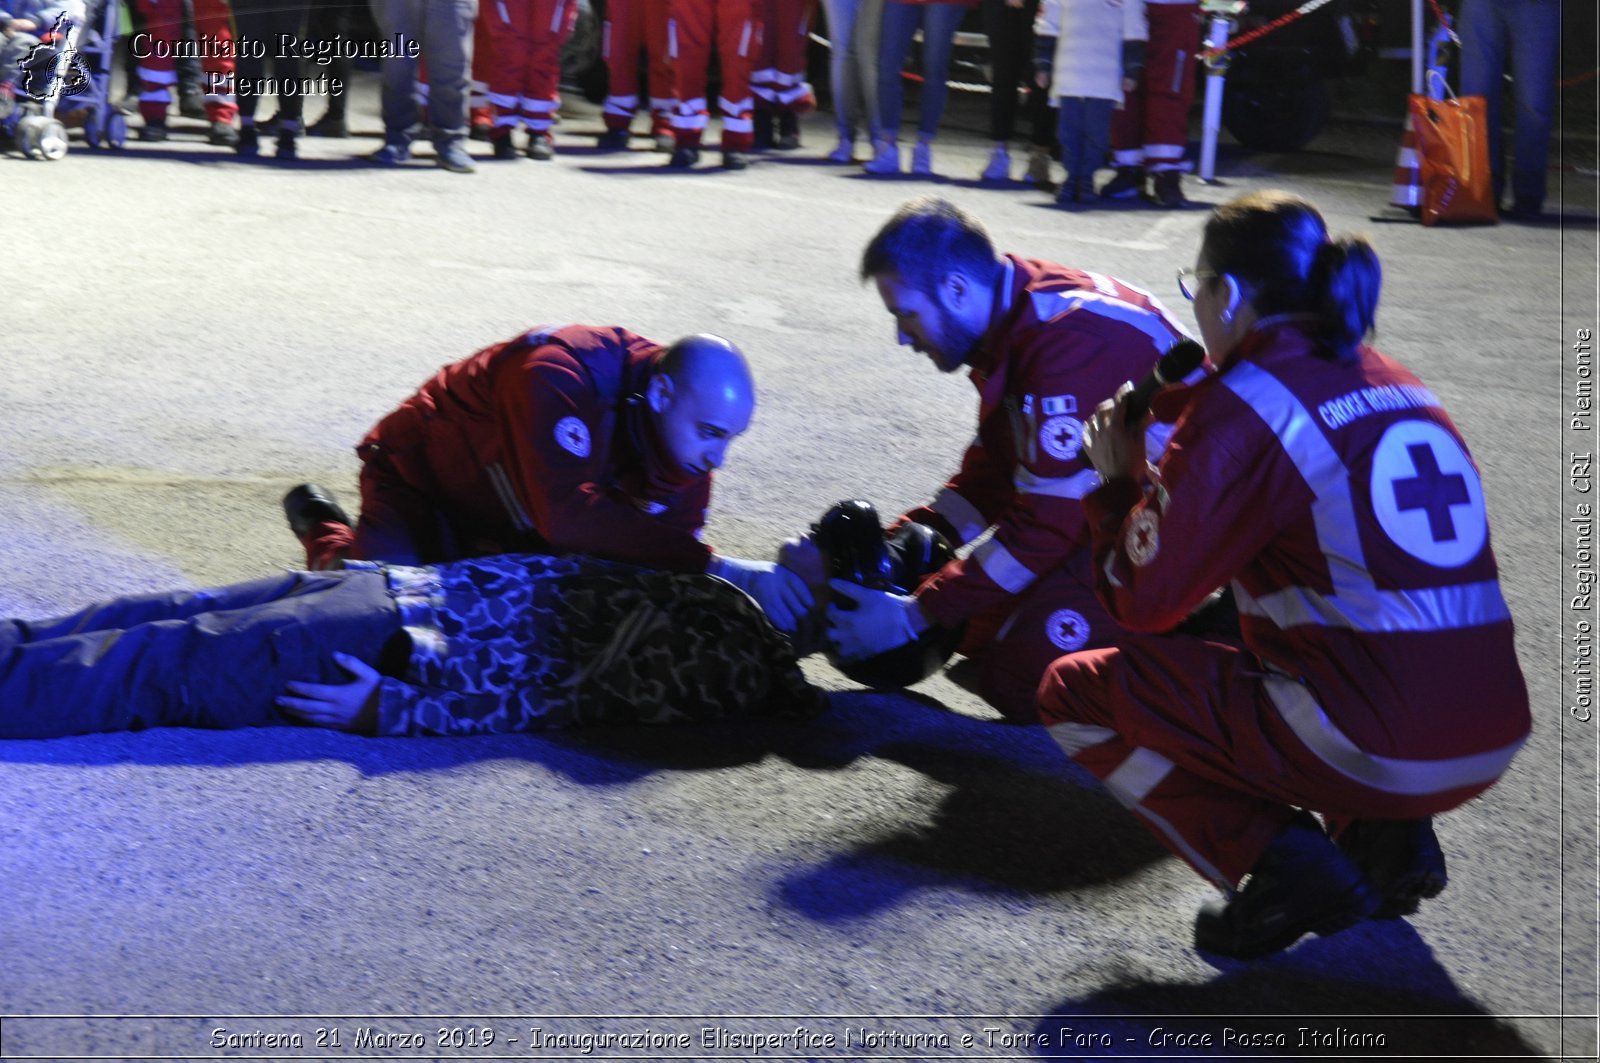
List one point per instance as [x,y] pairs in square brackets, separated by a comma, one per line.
[702,395]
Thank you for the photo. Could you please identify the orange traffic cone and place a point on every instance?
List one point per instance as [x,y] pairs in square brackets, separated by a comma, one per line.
[1407,175]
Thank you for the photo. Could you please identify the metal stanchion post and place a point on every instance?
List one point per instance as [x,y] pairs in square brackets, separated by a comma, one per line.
[1220,27]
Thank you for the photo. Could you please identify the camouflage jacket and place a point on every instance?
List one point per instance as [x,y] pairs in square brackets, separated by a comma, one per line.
[522,642]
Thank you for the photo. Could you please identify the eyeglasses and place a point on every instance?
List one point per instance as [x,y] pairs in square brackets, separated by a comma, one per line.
[1189,281]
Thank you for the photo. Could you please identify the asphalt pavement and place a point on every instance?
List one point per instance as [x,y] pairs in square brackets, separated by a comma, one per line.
[188,335]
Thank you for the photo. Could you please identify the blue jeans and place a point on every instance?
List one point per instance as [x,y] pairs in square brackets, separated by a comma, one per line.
[212,658]
[444,30]
[900,22]
[1529,30]
[1085,135]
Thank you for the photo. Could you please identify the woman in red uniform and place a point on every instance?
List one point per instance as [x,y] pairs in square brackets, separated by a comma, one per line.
[1377,682]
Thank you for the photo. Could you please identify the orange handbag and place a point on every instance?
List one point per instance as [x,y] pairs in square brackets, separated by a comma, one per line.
[1453,158]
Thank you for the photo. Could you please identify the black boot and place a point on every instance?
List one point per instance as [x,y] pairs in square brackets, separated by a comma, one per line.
[1302,884]
[1401,858]
[763,130]
[788,131]
[308,505]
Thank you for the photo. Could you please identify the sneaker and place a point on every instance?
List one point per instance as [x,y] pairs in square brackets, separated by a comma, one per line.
[223,134]
[999,168]
[153,132]
[735,160]
[452,156]
[1400,858]
[922,159]
[288,149]
[885,158]
[683,158]
[249,145]
[1166,189]
[308,505]
[845,152]
[391,154]
[329,125]
[1039,169]
[788,131]
[1302,884]
[191,102]
[613,140]
[1127,184]
[541,146]
[503,146]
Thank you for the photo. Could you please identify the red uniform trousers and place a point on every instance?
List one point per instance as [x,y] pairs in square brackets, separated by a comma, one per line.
[525,39]
[1189,735]
[737,31]
[163,22]
[1152,128]
[779,79]
[630,25]
[1014,644]
[481,114]
[426,498]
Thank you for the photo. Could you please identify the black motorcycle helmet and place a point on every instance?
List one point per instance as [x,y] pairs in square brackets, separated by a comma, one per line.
[851,538]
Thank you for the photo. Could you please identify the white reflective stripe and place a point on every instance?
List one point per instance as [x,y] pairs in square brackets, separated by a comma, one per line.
[500,99]
[156,96]
[961,514]
[768,74]
[1102,283]
[1181,845]
[541,125]
[1075,486]
[1074,738]
[690,121]
[738,125]
[1155,439]
[1107,568]
[605,40]
[630,102]
[1053,304]
[555,21]
[158,77]
[221,97]
[507,120]
[1408,159]
[619,111]
[728,106]
[744,38]
[764,93]
[1005,628]
[1163,151]
[1414,778]
[694,106]
[663,103]
[422,90]
[1130,157]
[1425,609]
[1005,286]
[539,106]
[1011,575]
[797,93]
[508,497]
[1333,509]
[480,87]
[672,37]
[1137,775]
[1177,71]
[505,16]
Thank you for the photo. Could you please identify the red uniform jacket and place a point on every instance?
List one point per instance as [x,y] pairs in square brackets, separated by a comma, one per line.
[1341,502]
[1061,342]
[544,443]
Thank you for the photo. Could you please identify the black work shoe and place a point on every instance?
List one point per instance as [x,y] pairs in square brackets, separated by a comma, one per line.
[1166,189]
[503,147]
[1400,858]
[1302,884]
[329,125]
[613,140]
[191,101]
[153,132]
[735,160]
[249,145]
[683,158]
[1127,184]
[540,147]
[308,505]
[223,134]
[788,132]
[288,146]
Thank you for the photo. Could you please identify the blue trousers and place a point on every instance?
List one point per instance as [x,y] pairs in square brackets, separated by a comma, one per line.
[1527,32]
[210,658]
[900,22]
[1085,136]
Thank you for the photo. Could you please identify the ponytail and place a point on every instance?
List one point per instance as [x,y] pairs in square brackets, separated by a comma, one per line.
[1343,287]
[1277,245]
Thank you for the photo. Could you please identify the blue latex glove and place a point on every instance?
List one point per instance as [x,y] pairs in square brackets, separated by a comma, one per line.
[880,621]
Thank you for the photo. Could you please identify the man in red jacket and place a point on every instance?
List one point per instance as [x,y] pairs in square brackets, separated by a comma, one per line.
[582,439]
[1045,345]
